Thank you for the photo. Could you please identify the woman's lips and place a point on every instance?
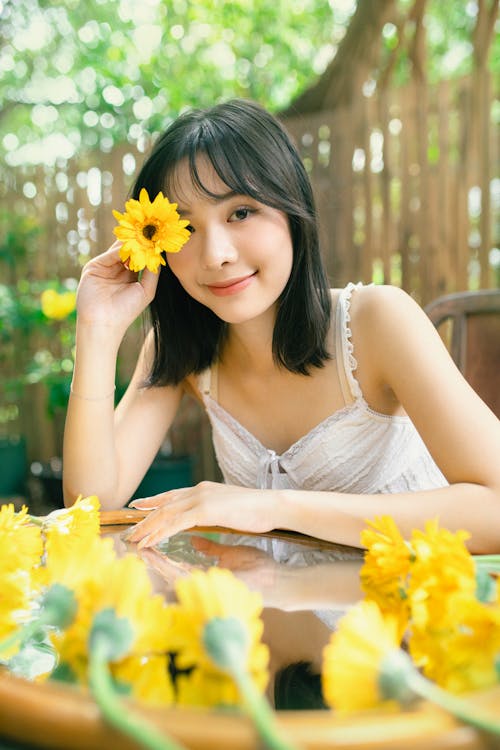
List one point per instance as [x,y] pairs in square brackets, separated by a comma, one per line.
[232,286]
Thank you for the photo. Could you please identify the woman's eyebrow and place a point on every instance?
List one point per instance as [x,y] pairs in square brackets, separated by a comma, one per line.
[216,199]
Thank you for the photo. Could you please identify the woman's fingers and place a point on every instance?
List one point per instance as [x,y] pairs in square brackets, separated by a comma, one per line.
[149,282]
[172,517]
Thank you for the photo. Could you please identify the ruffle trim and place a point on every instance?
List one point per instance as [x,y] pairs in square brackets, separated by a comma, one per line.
[350,360]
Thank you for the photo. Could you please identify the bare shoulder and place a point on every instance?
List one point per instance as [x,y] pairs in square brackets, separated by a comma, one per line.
[379,310]
[382,300]
[390,331]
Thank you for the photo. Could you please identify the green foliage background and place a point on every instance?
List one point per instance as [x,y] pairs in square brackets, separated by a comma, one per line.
[92,74]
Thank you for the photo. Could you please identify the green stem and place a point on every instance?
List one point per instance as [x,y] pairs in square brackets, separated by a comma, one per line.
[36,521]
[455,706]
[20,635]
[114,711]
[260,712]
[26,631]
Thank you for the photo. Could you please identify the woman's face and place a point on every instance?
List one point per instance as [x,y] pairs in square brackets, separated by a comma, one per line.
[239,256]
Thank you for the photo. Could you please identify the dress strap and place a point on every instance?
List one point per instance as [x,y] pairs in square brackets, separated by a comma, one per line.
[346,361]
[207,381]
[204,382]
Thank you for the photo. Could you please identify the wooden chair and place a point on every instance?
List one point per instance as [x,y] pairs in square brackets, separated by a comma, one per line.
[469,323]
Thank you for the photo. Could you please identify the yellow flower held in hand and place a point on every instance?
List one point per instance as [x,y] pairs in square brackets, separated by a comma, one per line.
[57,306]
[148,229]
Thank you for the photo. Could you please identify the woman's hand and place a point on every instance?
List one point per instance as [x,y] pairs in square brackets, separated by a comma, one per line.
[111,295]
[205,504]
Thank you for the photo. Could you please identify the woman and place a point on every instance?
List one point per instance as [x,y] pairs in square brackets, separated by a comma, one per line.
[328,407]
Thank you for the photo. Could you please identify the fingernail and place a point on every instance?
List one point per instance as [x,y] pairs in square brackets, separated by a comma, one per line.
[133,503]
[137,504]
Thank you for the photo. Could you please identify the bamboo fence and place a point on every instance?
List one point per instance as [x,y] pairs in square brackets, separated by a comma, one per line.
[407,183]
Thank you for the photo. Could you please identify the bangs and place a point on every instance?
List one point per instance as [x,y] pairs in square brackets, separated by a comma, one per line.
[235,160]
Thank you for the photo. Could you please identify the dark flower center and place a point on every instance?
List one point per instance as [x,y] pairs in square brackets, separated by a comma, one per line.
[149,231]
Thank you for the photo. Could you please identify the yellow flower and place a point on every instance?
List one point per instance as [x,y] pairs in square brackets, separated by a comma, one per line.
[442,574]
[147,677]
[147,229]
[124,586]
[67,569]
[386,566]
[203,596]
[352,660]
[21,545]
[206,688]
[69,531]
[460,657]
[16,603]
[21,550]
[57,305]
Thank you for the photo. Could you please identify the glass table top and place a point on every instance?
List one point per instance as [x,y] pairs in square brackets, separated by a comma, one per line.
[306,586]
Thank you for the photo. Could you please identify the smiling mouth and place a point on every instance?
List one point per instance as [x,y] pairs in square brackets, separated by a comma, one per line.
[230,282]
[231,286]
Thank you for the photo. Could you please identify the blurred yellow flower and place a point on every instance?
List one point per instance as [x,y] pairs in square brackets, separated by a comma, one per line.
[352,660]
[202,597]
[148,229]
[203,687]
[69,531]
[384,574]
[122,585]
[147,677]
[21,550]
[65,568]
[21,545]
[461,656]
[16,603]
[57,305]
[442,574]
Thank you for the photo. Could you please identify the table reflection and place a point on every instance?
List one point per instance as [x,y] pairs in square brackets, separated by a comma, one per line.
[306,586]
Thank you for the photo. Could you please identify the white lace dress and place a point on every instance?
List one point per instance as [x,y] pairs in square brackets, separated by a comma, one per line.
[354,450]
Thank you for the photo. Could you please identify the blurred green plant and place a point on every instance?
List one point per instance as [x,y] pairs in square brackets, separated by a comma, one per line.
[36,347]
[36,330]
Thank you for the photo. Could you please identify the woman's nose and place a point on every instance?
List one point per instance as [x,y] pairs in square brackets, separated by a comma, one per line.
[218,248]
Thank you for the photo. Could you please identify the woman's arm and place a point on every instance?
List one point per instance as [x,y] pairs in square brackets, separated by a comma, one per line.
[398,348]
[400,357]
[107,453]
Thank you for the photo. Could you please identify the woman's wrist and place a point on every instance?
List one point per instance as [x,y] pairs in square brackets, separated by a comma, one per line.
[283,510]
[95,363]
[99,335]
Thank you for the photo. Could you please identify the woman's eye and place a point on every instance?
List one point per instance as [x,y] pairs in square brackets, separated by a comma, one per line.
[190,228]
[240,214]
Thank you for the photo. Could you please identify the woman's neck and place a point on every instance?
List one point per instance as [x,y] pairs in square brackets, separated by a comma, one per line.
[249,345]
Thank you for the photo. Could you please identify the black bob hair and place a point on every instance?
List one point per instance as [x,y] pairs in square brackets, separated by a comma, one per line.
[253,155]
